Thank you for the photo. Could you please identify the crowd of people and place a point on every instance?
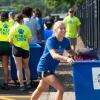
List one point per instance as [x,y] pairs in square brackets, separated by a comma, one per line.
[27,28]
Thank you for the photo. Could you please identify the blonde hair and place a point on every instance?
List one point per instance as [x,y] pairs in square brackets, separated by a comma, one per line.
[72,9]
[57,25]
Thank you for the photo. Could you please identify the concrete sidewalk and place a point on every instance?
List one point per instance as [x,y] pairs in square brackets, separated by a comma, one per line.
[44,96]
[51,95]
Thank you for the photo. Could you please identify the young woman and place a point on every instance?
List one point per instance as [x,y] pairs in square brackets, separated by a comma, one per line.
[20,36]
[31,23]
[73,28]
[5,49]
[11,18]
[53,53]
[40,22]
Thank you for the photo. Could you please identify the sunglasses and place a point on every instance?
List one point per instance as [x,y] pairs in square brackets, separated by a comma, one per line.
[71,11]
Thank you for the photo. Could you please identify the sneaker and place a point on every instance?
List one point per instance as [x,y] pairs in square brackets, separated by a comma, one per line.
[22,88]
[28,86]
[5,86]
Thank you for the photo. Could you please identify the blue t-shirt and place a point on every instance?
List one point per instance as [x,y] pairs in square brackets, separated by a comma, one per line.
[46,61]
[41,23]
[31,23]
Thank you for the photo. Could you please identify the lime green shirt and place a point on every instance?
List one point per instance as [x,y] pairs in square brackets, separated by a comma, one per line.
[12,22]
[20,35]
[71,26]
[4,31]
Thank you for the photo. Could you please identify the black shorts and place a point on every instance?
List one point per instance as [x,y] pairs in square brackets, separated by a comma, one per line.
[5,48]
[18,52]
[43,74]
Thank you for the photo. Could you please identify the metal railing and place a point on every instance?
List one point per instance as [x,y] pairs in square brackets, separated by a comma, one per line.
[89,14]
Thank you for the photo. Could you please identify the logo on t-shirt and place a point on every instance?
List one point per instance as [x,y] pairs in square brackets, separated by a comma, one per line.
[60,50]
[71,21]
[21,36]
[5,29]
[21,31]
[5,26]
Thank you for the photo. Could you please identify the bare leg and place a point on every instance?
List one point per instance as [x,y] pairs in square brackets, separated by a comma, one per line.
[18,61]
[27,70]
[74,44]
[5,67]
[73,47]
[41,87]
[49,80]
[54,82]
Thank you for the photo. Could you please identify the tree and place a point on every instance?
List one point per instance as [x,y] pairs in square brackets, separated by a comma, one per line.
[53,3]
[46,6]
[18,7]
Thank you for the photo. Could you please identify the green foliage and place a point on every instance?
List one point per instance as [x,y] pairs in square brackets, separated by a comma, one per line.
[18,7]
[46,6]
[53,3]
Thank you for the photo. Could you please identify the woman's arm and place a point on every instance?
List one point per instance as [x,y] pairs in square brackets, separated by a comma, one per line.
[60,57]
[10,40]
[71,53]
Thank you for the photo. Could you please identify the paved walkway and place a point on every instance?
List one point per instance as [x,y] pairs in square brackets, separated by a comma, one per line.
[44,96]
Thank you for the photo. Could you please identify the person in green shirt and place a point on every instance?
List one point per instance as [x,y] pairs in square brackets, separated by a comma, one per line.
[5,50]
[11,18]
[20,36]
[72,27]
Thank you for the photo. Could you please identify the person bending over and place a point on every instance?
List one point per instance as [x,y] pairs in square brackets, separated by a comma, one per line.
[52,55]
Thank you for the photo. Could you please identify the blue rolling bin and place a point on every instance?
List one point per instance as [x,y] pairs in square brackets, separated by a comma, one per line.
[47,33]
[13,69]
[42,44]
[86,75]
[35,53]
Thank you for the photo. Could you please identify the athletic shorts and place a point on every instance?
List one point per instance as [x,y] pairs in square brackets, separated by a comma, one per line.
[43,74]
[73,41]
[19,52]
[5,48]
